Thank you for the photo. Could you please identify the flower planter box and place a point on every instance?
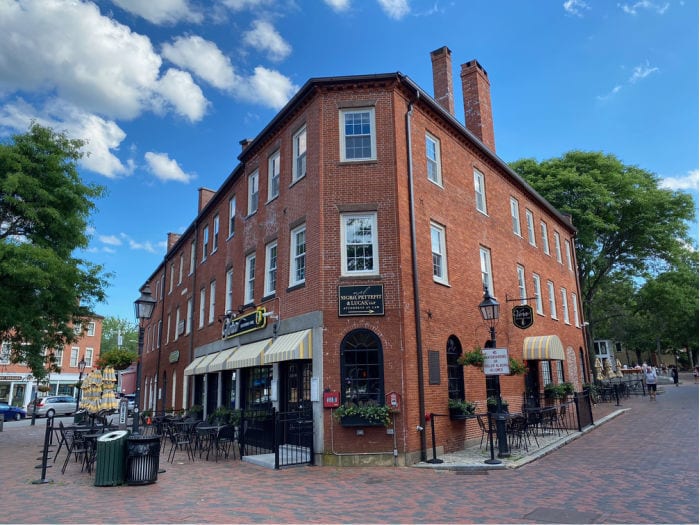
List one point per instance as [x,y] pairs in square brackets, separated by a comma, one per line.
[358,421]
[456,414]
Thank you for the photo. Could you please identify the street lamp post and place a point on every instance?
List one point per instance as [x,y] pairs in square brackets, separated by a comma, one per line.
[81,368]
[490,310]
[143,307]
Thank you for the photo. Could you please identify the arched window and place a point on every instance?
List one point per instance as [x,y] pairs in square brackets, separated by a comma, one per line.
[362,367]
[455,371]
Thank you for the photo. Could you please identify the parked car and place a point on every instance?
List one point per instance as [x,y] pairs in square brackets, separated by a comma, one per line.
[10,412]
[53,406]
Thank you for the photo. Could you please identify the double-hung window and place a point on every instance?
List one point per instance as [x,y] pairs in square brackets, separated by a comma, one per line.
[565,305]
[297,266]
[270,268]
[538,293]
[180,268]
[73,356]
[574,304]
[359,245]
[249,279]
[552,300]
[521,285]
[188,320]
[530,221]
[358,135]
[439,250]
[215,234]
[515,215]
[89,352]
[253,192]
[202,298]
[91,329]
[545,237]
[228,301]
[567,250]
[432,154]
[205,242]
[486,275]
[273,176]
[480,191]
[172,277]
[177,324]
[212,301]
[299,153]
[231,216]
[557,247]
[193,255]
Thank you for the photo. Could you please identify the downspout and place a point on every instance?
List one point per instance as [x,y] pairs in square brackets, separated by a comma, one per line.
[158,335]
[416,291]
[190,391]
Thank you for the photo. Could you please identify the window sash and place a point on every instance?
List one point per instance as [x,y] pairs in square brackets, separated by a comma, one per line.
[486,275]
[205,242]
[74,356]
[202,308]
[252,192]
[215,234]
[565,305]
[250,279]
[557,247]
[545,238]
[231,216]
[212,301]
[299,167]
[298,253]
[574,304]
[438,248]
[359,244]
[552,300]
[538,293]
[530,220]
[432,154]
[479,191]
[521,285]
[567,249]
[273,176]
[228,303]
[271,269]
[358,135]
[515,215]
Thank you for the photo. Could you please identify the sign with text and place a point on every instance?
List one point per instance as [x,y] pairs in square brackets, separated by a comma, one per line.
[496,361]
[243,324]
[523,316]
[361,300]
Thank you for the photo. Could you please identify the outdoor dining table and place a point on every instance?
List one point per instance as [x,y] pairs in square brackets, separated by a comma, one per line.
[206,438]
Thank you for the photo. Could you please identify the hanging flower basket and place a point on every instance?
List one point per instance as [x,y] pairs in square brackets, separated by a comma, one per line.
[43,388]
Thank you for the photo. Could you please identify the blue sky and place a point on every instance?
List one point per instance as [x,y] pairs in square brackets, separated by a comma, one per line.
[164,90]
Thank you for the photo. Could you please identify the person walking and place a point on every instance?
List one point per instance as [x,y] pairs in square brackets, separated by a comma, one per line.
[695,375]
[674,375]
[650,376]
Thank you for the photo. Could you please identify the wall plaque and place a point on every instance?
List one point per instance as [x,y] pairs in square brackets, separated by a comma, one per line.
[361,300]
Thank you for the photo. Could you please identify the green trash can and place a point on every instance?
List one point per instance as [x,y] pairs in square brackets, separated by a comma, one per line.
[111,459]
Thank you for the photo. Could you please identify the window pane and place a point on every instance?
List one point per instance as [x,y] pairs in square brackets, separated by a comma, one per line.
[359,238]
[362,368]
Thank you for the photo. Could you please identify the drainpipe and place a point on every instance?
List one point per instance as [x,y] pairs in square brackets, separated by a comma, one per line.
[416,291]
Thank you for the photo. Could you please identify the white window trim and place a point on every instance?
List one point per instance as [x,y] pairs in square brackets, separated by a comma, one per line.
[180,270]
[515,216]
[215,234]
[205,242]
[545,237]
[343,244]
[91,329]
[231,216]
[530,221]
[538,293]
[269,289]
[486,269]
[574,304]
[273,168]
[212,301]
[193,256]
[249,294]
[522,287]
[552,299]
[565,305]
[557,247]
[202,307]
[567,248]
[253,192]
[442,247]
[228,303]
[188,321]
[480,192]
[296,155]
[293,281]
[177,324]
[437,161]
[372,132]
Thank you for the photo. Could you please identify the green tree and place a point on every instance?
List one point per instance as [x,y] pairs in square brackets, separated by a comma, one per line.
[119,344]
[44,212]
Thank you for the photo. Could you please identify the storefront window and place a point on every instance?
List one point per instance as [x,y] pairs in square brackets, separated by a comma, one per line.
[362,367]
[258,383]
[455,371]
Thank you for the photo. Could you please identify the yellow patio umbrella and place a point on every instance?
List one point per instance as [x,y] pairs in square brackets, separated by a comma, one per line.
[609,374]
[598,368]
[618,365]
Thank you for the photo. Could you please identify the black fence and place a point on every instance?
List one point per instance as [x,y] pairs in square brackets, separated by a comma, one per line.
[287,435]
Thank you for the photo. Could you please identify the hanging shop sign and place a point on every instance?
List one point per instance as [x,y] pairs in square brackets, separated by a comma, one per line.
[496,361]
[234,326]
[523,316]
[361,300]
[174,356]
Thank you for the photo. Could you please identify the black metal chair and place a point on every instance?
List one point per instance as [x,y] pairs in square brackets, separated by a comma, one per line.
[75,446]
[179,441]
[225,441]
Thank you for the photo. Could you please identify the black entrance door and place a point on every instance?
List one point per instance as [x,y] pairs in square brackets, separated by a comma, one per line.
[295,399]
[532,385]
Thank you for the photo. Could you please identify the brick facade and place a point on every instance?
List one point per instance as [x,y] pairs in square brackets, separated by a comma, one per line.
[382,185]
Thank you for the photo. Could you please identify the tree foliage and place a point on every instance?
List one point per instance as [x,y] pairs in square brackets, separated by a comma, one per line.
[629,231]
[44,212]
[119,344]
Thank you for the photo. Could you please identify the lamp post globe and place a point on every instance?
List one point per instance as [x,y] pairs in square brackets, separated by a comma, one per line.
[143,308]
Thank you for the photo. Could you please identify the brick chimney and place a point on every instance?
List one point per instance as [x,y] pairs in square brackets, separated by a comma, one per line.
[476,90]
[205,196]
[172,239]
[442,78]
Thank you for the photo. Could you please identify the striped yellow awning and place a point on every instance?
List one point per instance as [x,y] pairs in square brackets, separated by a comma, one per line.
[288,347]
[248,355]
[199,365]
[219,362]
[543,348]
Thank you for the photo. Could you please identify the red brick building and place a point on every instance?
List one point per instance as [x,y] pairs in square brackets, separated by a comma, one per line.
[348,252]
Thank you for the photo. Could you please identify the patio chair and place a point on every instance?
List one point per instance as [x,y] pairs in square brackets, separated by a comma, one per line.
[484,426]
[179,441]
[225,442]
[75,446]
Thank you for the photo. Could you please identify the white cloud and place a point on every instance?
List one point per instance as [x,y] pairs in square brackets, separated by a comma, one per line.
[575,7]
[640,72]
[112,240]
[690,181]
[71,51]
[178,90]
[395,9]
[203,58]
[267,87]
[614,91]
[338,5]
[633,9]
[147,246]
[165,168]
[264,37]
[161,11]
[240,5]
